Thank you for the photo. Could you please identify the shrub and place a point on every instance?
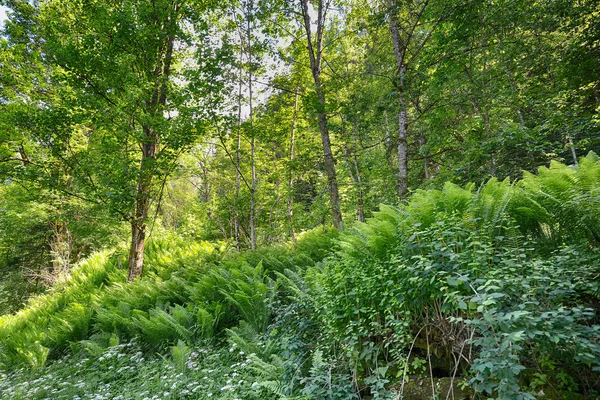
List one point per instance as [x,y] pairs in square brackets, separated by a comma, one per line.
[474,279]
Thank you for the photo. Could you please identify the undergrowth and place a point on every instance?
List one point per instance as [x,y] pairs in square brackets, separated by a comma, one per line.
[189,292]
[496,285]
[124,371]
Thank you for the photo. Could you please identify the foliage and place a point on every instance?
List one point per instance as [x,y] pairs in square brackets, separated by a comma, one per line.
[123,371]
[480,290]
[454,269]
[190,291]
[189,121]
[489,89]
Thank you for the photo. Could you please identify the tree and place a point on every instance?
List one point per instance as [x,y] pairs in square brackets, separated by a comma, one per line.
[411,25]
[42,229]
[314,46]
[137,105]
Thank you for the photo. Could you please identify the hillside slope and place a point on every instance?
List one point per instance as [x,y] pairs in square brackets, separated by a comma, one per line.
[496,286]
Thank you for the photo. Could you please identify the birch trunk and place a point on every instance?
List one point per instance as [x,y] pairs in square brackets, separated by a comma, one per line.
[238,178]
[252,141]
[399,53]
[402,139]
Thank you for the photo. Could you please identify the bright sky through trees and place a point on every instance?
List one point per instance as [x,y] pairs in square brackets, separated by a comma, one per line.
[2,15]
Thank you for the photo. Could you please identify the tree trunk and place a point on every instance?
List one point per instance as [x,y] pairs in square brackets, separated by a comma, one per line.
[572,147]
[238,177]
[290,202]
[136,251]
[315,53]
[329,163]
[273,219]
[147,165]
[399,53]
[484,109]
[252,141]
[253,196]
[388,141]
[142,205]
[402,139]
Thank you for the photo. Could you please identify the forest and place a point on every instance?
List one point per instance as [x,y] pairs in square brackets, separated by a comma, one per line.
[299,199]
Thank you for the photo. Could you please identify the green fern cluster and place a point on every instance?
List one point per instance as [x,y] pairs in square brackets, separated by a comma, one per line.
[562,202]
[189,291]
[559,203]
[50,321]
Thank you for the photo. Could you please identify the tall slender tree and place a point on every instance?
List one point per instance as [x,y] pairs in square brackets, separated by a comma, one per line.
[411,25]
[314,45]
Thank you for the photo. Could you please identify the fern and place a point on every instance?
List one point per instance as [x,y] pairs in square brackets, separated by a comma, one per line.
[180,355]
[567,199]
[246,338]
[159,327]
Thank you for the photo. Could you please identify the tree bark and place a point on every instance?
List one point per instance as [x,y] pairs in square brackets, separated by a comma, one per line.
[315,53]
[136,251]
[238,177]
[252,141]
[572,147]
[142,205]
[402,139]
[253,196]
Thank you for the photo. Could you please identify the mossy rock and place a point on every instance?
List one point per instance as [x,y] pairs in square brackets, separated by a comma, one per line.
[420,389]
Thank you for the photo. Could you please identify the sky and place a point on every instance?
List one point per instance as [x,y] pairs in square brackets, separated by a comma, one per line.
[2,15]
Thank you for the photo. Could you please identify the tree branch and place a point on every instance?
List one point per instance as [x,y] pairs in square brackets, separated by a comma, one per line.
[233,162]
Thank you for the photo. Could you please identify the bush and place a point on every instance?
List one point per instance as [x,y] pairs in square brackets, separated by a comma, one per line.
[474,281]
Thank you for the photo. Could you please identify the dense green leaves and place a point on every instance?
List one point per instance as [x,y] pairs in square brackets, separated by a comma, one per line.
[189,120]
[455,269]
